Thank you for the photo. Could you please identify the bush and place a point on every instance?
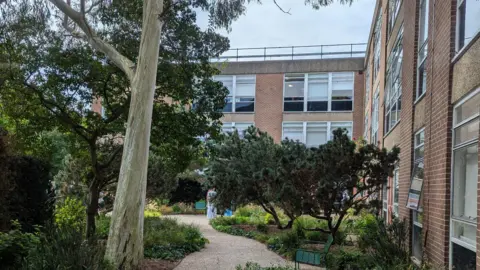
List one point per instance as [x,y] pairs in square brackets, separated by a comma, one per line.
[166,239]
[353,259]
[63,248]
[256,266]
[166,210]
[176,209]
[71,214]
[15,245]
[223,221]
[103,226]
[262,228]
[286,243]
[188,191]
[269,219]
[262,238]
[152,213]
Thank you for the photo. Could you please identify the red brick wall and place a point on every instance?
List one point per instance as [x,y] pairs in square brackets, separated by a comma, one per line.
[269,104]
[97,105]
[478,206]
[438,119]
[358,101]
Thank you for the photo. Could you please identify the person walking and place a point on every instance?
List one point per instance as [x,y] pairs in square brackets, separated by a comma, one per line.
[211,209]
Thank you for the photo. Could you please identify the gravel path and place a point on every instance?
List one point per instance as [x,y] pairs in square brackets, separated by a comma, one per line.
[227,251]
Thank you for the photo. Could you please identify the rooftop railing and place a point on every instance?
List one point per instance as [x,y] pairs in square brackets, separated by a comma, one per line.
[294,52]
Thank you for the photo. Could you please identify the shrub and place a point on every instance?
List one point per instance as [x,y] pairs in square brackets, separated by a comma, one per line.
[103,226]
[269,219]
[262,238]
[70,214]
[256,266]
[353,259]
[176,209]
[223,221]
[286,243]
[262,228]
[166,210]
[15,245]
[166,239]
[63,248]
[152,213]
[188,191]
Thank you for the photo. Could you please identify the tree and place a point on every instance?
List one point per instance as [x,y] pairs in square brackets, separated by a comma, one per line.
[343,176]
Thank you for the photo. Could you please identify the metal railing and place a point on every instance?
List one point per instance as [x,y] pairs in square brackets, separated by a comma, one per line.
[294,52]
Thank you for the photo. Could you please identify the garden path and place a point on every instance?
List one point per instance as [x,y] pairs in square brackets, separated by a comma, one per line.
[225,251]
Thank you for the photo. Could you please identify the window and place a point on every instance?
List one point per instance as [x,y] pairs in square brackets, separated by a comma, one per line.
[367,86]
[241,92]
[365,126]
[375,107]
[466,117]
[385,201]
[294,93]
[414,195]
[377,44]
[422,49]
[393,97]
[468,24]
[393,9]
[229,127]
[313,134]
[311,92]
[395,191]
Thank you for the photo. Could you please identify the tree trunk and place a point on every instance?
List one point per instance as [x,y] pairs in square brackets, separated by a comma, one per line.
[125,239]
[92,209]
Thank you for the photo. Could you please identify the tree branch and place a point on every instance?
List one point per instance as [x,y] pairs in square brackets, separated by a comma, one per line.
[112,157]
[122,62]
[279,7]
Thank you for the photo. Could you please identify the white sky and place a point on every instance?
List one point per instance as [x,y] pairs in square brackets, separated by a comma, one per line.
[265,25]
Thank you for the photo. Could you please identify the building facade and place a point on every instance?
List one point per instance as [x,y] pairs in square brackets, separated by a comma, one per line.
[298,99]
[422,93]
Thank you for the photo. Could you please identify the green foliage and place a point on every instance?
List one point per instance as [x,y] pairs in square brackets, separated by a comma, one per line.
[64,248]
[166,239]
[223,221]
[286,243]
[70,214]
[263,228]
[15,245]
[349,259]
[188,191]
[256,266]
[176,209]
[102,223]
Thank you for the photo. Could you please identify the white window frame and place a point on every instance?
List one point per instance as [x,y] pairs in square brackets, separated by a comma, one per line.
[330,91]
[419,210]
[234,88]
[422,53]
[393,95]
[233,124]
[329,130]
[385,196]
[393,10]
[455,148]
[377,43]
[395,181]
[459,49]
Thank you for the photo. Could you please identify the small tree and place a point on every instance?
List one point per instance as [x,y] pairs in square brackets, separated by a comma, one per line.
[343,176]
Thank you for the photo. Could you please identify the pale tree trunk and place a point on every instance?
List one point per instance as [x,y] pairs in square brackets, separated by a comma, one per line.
[125,239]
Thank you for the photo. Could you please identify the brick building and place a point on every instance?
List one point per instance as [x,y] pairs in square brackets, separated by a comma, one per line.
[422,93]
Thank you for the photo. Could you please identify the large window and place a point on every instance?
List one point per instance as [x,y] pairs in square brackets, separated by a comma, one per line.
[241,96]
[385,201]
[393,9]
[375,114]
[313,134]
[318,92]
[367,86]
[414,199]
[393,97]
[377,45]
[422,49]
[466,117]
[365,126]
[468,23]
[395,191]
[239,126]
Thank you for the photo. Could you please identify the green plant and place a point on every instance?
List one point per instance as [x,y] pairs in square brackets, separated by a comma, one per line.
[103,226]
[152,213]
[176,209]
[166,210]
[15,245]
[64,248]
[269,219]
[262,238]
[70,214]
[256,266]
[348,259]
[286,243]
[223,221]
[262,228]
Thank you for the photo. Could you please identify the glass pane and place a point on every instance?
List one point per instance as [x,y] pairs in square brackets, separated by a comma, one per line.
[472,23]
[468,109]
[467,132]
[336,125]
[316,134]
[419,152]
[341,105]
[417,250]
[293,131]
[422,80]
[318,91]
[423,24]
[227,127]
[228,107]
[342,94]
[293,106]
[465,178]
[342,81]
[241,127]
[462,258]
[464,232]
[419,138]
[244,106]
[294,86]
[245,90]
[317,106]
[227,82]
[396,185]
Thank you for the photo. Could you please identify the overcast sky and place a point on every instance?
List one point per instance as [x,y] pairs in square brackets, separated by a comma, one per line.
[265,25]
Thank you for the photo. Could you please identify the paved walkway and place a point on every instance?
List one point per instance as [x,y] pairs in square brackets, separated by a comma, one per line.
[227,251]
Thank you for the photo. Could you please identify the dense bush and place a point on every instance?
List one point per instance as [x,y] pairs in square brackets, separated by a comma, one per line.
[349,259]
[64,248]
[70,214]
[188,191]
[256,266]
[166,239]
[26,192]
[262,228]
[15,245]
[286,243]
[102,223]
